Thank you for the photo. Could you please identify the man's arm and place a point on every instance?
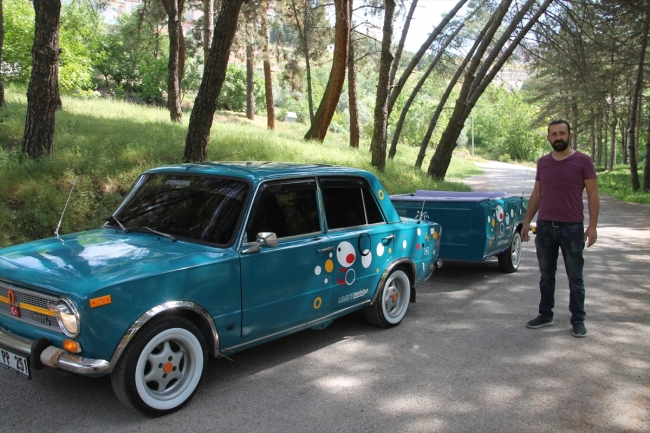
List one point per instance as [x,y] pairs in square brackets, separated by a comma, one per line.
[533,207]
[593,203]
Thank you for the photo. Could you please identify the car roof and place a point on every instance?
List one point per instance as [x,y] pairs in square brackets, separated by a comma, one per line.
[258,171]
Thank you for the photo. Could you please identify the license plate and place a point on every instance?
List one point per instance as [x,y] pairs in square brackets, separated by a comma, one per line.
[14,362]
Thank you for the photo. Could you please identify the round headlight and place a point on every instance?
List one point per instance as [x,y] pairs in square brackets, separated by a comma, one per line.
[67,316]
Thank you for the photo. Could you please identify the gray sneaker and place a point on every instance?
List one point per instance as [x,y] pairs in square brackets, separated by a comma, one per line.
[539,322]
[579,330]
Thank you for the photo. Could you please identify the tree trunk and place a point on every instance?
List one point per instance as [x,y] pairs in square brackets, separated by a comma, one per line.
[208,24]
[250,84]
[442,156]
[268,79]
[43,94]
[612,138]
[592,136]
[378,142]
[646,170]
[599,139]
[327,107]
[637,135]
[574,115]
[198,133]
[173,8]
[352,90]
[2,36]
[636,95]
[490,66]
[623,128]
[606,135]
[424,144]
[416,89]
[303,36]
[402,41]
[397,88]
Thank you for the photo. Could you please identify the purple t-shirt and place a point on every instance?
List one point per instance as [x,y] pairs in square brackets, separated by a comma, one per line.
[562,184]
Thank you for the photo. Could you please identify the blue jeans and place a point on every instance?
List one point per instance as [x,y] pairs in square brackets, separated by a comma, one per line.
[569,239]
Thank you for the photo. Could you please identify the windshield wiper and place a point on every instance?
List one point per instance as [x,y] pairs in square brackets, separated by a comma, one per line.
[114,218]
[149,229]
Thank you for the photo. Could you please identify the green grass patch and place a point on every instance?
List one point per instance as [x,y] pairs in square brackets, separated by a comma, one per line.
[101,146]
[617,183]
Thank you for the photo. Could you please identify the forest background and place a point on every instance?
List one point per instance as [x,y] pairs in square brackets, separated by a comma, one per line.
[585,62]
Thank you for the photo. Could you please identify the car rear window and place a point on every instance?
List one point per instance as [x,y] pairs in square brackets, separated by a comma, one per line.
[349,202]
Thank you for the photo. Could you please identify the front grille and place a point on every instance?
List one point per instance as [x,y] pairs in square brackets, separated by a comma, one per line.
[27,301]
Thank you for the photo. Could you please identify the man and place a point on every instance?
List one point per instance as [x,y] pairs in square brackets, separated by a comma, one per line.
[561,177]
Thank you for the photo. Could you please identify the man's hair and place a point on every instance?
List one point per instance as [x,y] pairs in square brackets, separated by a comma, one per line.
[559,122]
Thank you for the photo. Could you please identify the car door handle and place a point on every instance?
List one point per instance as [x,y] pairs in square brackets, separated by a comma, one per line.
[326,250]
[387,238]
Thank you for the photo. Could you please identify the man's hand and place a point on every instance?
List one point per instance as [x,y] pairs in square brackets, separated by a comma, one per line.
[590,236]
[524,232]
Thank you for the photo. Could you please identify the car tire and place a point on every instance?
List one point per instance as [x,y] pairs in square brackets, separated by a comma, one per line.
[510,259]
[393,301]
[161,368]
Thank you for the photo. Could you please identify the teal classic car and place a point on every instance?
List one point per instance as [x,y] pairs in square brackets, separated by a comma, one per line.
[206,259]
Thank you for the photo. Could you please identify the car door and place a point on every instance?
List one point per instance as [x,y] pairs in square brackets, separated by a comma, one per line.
[363,242]
[287,284]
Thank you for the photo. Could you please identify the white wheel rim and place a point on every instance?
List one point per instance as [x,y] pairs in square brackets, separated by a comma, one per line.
[516,251]
[165,383]
[395,298]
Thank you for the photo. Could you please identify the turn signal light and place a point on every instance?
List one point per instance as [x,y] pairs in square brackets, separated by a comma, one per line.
[72,346]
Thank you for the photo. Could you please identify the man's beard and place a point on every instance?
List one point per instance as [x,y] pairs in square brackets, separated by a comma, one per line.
[560,145]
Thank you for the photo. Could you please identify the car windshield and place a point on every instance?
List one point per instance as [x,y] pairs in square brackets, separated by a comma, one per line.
[202,208]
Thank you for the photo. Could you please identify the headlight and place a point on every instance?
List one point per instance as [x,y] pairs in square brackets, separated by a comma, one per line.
[67,316]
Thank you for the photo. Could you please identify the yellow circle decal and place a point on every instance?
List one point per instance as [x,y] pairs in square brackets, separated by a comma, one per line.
[318,302]
[435,235]
[493,222]
[329,266]
[381,194]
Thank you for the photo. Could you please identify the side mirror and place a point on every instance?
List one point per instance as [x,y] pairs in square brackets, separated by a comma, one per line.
[269,239]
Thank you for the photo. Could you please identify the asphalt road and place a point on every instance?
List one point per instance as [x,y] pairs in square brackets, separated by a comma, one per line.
[461,361]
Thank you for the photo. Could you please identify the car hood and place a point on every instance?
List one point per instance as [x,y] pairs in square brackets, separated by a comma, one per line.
[93,259]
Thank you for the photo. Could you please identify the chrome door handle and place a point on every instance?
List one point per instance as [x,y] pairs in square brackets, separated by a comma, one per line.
[326,250]
[387,238]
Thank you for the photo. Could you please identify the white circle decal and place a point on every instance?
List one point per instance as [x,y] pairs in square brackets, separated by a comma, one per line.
[380,250]
[499,213]
[366,259]
[345,254]
[317,271]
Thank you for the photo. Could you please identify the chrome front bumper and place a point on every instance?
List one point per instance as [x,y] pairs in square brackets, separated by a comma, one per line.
[40,354]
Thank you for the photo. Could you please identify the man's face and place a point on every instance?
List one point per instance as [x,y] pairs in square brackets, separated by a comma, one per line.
[559,137]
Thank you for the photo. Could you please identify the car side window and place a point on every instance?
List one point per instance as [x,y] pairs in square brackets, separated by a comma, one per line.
[349,202]
[287,208]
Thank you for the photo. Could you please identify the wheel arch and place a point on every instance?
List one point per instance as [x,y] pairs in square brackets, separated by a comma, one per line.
[188,310]
[405,264]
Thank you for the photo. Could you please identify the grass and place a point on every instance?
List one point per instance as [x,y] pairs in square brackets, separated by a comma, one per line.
[101,146]
[617,184]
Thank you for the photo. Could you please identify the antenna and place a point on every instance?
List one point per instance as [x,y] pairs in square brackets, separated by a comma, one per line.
[424,199]
[56,231]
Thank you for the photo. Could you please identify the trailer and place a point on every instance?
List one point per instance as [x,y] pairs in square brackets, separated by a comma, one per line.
[475,225]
